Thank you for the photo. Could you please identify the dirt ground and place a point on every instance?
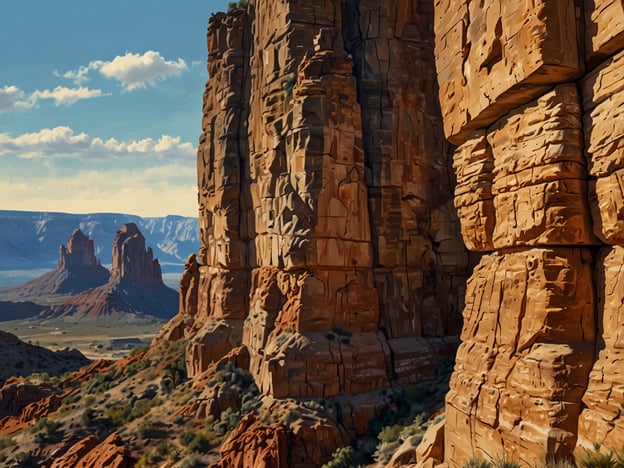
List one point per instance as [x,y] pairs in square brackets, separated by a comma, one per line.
[96,340]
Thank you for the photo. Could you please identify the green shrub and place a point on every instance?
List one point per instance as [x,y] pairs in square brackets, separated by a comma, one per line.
[200,443]
[390,434]
[147,430]
[347,457]
[6,442]
[45,425]
[239,4]
[139,350]
[187,437]
[195,441]
[288,85]
[477,463]
[502,462]
[596,458]
[167,449]
[193,460]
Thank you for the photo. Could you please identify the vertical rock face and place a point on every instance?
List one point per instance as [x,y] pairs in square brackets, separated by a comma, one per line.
[330,248]
[77,269]
[131,261]
[79,252]
[134,287]
[538,190]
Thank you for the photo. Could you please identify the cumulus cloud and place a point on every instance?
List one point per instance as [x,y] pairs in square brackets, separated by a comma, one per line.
[79,76]
[66,96]
[62,141]
[133,71]
[11,97]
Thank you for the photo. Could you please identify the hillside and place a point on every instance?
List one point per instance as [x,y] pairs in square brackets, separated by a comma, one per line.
[22,359]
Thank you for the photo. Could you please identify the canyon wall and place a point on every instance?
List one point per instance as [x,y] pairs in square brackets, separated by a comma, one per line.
[531,94]
[330,245]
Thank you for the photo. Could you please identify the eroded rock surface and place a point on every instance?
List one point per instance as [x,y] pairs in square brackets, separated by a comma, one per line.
[76,271]
[537,124]
[135,287]
[330,245]
[90,453]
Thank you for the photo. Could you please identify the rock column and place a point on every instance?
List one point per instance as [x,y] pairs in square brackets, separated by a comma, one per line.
[330,247]
[531,128]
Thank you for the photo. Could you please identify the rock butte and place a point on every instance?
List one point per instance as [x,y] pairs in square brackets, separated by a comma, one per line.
[134,286]
[331,248]
[77,270]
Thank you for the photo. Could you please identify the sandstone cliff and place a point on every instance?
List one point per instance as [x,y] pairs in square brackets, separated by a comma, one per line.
[135,286]
[330,246]
[329,243]
[532,93]
[77,270]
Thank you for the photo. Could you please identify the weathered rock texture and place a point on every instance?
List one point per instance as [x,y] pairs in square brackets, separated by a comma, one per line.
[330,248]
[135,285]
[76,271]
[90,453]
[539,191]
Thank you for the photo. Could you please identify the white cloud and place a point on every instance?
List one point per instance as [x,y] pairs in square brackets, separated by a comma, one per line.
[78,76]
[63,95]
[133,71]
[62,142]
[11,97]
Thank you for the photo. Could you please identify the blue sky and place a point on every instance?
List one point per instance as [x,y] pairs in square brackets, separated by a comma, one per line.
[100,104]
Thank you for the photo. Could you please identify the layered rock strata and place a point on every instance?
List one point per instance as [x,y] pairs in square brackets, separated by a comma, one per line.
[76,271]
[537,166]
[329,243]
[135,285]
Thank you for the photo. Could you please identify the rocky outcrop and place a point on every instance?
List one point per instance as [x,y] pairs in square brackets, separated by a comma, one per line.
[22,359]
[256,444]
[135,286]
[90,453]
[536,124]
[330,248]
[22,404]
[133,263]
[77,270]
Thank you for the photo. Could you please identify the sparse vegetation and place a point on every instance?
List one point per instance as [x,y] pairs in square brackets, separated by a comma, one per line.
[289,85]
[139,350]
[347,457]
[6,442]
[195,441]
[239,4]
[598,457]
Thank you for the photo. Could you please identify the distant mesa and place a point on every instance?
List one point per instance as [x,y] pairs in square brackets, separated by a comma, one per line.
[134,287]
[77,270]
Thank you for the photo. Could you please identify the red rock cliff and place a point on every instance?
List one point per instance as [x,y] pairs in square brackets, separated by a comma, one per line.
[330,245]
[77,270]
[532,93]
